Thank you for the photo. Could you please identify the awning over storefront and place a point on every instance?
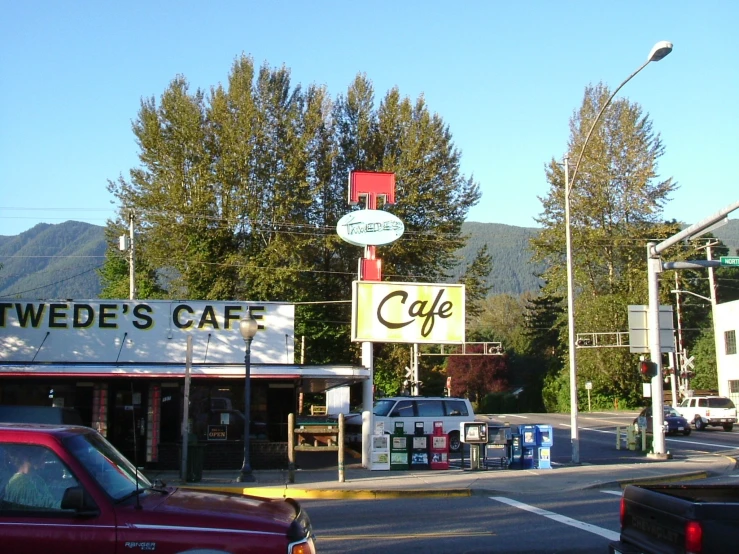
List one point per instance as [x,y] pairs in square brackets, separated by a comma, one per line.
[311,378]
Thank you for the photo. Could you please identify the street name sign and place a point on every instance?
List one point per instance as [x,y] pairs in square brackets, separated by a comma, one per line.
[729,260]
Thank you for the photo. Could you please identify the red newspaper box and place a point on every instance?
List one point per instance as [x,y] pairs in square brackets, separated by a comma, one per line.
[439,449]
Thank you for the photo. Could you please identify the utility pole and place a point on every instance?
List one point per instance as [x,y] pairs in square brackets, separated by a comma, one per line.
[131,269]
[125,244]
[680,352]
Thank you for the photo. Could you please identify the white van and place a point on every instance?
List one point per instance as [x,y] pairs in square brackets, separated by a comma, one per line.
[411,409]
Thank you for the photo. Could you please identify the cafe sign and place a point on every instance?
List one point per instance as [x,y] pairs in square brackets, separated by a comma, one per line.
[369,227]
[408,312]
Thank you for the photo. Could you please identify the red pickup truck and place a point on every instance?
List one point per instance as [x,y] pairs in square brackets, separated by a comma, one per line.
[65,489]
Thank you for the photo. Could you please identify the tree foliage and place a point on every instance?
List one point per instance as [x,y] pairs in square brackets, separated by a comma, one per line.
[239,190]
[616,200]
[705,368]
[475,282]
[476,375]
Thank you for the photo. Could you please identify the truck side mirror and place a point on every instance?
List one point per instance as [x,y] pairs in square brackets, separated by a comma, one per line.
[77,499]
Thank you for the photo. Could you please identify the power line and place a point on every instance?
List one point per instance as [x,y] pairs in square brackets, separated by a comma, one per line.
[51,284]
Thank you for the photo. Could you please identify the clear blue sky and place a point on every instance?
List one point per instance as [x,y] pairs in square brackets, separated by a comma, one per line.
[505,76]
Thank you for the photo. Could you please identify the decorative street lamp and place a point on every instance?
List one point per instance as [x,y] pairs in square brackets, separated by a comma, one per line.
[659,51]
[248,327]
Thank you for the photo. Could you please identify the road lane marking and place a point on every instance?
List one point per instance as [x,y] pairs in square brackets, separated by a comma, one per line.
[617,493]
[403,536]
[681,440]
[600,531]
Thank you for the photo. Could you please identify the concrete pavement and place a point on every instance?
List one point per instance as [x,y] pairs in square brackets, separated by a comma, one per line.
[364,483]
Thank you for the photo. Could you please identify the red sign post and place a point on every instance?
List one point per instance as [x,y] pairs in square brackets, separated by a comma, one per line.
[371,185]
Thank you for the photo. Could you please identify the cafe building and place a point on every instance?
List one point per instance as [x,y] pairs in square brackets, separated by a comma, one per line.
[127,365]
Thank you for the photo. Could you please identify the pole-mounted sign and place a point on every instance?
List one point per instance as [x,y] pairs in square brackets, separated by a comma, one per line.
[370,227]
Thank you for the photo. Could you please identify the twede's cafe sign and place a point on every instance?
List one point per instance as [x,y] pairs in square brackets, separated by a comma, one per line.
[408,312]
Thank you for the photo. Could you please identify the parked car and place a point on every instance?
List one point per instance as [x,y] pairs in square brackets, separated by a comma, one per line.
[703,411]
[674,423]
[87,498]
[409,410]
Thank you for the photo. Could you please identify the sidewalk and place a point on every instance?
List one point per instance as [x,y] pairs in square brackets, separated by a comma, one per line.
[364,483]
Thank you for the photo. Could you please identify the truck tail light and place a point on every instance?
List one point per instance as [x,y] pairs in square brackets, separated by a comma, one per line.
[693,537]
[622,511]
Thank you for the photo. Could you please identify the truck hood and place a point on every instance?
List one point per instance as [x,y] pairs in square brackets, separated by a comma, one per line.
[201,508]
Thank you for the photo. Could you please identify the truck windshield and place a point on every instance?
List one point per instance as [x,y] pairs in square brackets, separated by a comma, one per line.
[106,465]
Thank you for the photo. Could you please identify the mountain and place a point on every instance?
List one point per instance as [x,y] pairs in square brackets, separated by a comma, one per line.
[52,261]
[59,261]
[513,271]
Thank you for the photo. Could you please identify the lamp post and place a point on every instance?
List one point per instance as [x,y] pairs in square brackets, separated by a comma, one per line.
[248,327]
[659,51]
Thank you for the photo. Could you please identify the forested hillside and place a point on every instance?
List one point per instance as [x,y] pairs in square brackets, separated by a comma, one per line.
[52,261]
[513,272]
[59,261]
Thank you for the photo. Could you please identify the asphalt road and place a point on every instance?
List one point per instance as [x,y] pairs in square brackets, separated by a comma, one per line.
[527,522]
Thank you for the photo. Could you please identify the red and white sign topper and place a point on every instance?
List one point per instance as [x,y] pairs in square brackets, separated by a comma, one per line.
[371,185]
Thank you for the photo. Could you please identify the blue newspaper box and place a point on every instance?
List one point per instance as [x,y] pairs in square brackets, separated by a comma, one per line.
[528,435]
[544,435]
[544,442]
[527,460]
[541,457]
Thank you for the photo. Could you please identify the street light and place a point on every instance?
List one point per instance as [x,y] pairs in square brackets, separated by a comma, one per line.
[248,327]
[659,51]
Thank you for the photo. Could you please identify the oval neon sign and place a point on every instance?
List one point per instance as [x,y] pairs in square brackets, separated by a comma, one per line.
[370,227]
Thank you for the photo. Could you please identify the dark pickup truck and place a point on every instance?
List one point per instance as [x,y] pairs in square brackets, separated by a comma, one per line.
[66,490]
[686,519]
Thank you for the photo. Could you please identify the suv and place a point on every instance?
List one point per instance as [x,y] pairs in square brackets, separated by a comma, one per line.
[411,409]
[709,410]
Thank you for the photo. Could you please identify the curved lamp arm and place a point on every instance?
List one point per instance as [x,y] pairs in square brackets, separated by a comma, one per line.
[659,51]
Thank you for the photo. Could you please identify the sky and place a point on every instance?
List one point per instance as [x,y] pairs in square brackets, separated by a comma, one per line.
[506,77]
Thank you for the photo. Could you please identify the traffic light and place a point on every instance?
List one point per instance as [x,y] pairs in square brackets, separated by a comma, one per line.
[648,369]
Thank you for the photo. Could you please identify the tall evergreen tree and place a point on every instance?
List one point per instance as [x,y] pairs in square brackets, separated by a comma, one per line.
[616,202]
[475,282]
[239,191]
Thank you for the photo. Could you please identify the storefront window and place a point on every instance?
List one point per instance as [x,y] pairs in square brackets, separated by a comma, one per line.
[216,412]
[77,396]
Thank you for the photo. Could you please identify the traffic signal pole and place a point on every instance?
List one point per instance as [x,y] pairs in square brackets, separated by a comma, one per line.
[654,268]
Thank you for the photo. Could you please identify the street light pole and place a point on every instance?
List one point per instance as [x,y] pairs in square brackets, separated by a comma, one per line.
[659,51]
[248,327]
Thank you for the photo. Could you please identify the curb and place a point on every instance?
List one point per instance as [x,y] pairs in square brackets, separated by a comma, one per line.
[622,483]
[338,494]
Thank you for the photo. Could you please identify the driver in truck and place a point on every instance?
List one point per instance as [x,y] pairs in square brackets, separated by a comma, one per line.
[26,488]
